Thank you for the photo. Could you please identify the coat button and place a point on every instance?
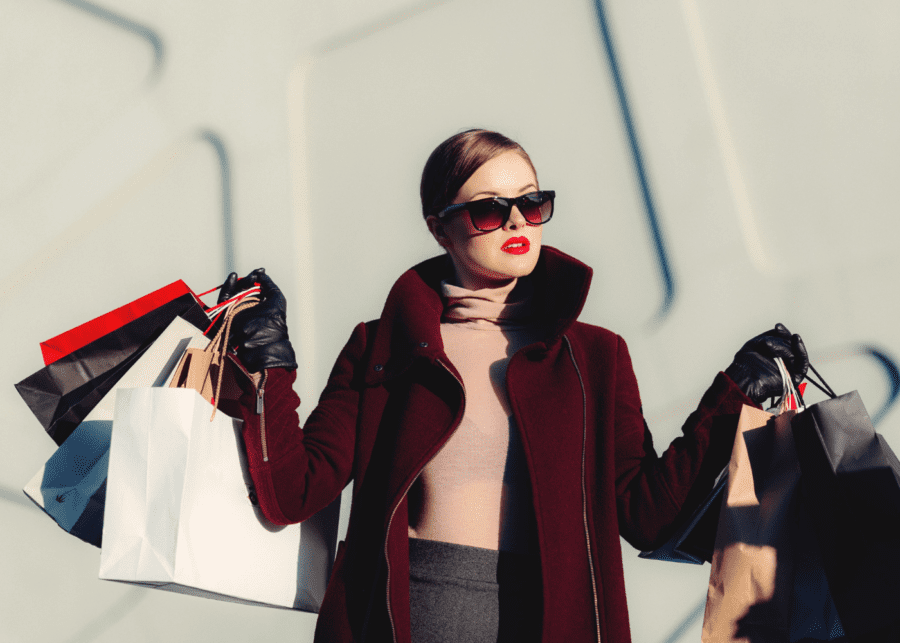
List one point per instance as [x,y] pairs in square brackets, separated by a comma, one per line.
[423,344]
[378,367]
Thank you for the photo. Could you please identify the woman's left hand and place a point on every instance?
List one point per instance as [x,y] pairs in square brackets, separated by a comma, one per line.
[260,332]
[754,369]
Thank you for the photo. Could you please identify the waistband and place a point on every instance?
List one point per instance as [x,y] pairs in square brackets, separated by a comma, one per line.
[433,558]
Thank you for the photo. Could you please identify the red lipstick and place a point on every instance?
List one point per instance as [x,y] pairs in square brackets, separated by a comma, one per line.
[516,246]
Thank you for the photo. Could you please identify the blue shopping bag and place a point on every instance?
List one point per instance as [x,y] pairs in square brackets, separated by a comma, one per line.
[73,482]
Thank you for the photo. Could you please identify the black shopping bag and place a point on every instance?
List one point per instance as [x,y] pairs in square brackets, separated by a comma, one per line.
[694,539]
[62,393]
[851,488]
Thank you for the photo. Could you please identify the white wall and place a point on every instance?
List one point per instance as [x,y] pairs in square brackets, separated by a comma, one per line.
[132,132]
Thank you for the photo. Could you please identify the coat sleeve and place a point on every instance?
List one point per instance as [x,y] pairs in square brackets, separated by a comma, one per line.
[653,492]
[298,471]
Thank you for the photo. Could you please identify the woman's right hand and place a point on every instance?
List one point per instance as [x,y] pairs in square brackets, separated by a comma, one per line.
[754,369]
[260,333]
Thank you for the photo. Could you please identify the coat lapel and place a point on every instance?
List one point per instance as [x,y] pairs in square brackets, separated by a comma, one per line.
[408,355]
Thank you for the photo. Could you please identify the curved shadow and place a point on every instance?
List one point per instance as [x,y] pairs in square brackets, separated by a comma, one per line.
[659,246]
[128,25]
[227,216]
[893,374]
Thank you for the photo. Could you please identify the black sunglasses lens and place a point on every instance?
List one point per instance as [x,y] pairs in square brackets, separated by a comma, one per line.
[487,215]
[538,207]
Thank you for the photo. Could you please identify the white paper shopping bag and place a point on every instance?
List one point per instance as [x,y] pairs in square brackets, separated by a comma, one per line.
[179,515]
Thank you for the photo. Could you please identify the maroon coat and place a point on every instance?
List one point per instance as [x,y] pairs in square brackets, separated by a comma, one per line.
[393,399]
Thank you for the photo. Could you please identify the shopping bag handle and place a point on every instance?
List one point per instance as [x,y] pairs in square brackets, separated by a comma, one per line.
[827,390]
[215,312]
[214,355]
[219,345]
[790,399]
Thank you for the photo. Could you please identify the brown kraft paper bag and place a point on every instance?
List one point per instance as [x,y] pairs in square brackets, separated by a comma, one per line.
[749,597]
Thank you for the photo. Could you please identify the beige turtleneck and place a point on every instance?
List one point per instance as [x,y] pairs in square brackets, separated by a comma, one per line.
[476,491]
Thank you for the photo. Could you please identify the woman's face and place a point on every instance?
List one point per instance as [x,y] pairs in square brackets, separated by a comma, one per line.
[492,259]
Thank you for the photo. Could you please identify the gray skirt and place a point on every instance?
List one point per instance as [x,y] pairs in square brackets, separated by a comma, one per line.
[461,594]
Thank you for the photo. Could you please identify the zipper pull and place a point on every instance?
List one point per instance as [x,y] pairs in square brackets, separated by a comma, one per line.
[259,400]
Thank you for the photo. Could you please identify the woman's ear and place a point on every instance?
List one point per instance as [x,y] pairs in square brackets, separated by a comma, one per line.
[438,231]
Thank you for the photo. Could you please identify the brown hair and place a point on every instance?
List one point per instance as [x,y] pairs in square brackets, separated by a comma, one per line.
[455,160]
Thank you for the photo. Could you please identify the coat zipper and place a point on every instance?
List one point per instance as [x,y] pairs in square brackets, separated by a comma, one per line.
[587,532]
[405,491]
[261,412]
[260,403]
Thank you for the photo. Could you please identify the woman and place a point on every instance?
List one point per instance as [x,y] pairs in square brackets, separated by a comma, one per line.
[496,445]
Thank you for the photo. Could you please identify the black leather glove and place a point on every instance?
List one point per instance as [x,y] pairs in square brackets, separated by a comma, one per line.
[260,333]
[754,369]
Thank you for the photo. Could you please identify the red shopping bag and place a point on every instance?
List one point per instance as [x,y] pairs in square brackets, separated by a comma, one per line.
[80,336]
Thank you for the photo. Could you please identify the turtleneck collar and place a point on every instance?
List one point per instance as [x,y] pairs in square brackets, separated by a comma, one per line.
[507,304]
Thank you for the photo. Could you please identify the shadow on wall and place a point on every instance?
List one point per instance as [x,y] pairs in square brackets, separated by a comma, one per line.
[128,25]
[659,246]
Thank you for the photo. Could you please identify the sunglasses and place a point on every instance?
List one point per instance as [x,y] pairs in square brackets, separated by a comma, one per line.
[492,214]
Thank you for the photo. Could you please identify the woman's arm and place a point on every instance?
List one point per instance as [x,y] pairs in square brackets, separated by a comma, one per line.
[651,490]
[298,471]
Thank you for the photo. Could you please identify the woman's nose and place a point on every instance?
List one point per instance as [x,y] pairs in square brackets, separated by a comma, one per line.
[515,220]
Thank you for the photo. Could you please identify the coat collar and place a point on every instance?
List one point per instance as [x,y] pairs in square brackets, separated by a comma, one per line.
[409,326]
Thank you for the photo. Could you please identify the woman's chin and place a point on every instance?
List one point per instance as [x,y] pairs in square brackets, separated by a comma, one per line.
[514,266]
[501,275]
[495,270]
